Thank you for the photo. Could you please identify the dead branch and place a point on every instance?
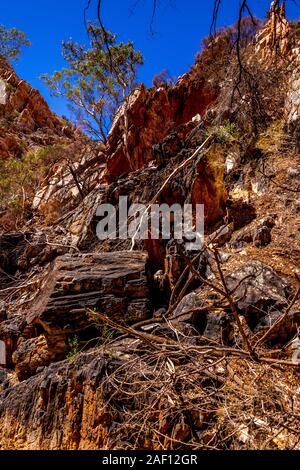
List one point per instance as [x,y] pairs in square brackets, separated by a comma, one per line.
[232,305]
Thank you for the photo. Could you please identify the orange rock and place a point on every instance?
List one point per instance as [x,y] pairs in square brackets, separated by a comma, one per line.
[152,115]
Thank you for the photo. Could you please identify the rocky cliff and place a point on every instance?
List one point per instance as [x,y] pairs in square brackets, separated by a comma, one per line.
[123,344]
[26,121]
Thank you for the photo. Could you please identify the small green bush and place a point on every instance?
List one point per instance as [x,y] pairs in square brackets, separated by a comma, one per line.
[73,342]
[224,133]
[21,177]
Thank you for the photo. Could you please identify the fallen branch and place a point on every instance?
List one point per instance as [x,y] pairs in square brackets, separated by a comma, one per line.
[232,305]
[18,287]
[148,338]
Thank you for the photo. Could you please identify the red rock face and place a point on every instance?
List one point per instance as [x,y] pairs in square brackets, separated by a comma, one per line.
[152,115]
[163,116]
[22,99]
[24,112]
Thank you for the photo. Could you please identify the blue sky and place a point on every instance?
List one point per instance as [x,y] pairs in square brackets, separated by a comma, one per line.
[179,27]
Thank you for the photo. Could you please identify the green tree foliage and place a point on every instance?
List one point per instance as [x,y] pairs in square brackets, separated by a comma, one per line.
[11,42]
[98,79]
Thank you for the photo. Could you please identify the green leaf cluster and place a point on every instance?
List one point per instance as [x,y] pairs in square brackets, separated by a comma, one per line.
[11,42]
[97,79]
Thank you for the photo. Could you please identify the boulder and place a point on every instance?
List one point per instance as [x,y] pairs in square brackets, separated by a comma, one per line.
[221,236]
[257,290]
[29,355]
[183,313]
[115,284]
[216,325]
[258,233]
[284,331]
[220,328]
[188,303]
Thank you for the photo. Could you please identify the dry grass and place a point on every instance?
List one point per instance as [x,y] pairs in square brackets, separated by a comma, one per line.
[186,400]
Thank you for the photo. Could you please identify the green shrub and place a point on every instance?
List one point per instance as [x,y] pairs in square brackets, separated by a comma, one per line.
[73,342]
[21,177]
[226,132]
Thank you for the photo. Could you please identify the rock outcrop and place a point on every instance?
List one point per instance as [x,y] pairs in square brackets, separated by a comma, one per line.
[129,344]
[258,290]
[26,122]
[155,114]
[115,284]
[258,233]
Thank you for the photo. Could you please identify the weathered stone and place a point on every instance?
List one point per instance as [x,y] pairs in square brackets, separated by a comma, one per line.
[207,185]
[164,111]
[257,290]
[116,284]
[285,330]
[274,36]
[240,213]
[24,112]
[31,354]
[190,324]
[20,251]
[209,324]
[219,328]
[258,233]
[75,404]
[221,236]
[184,312]
[33,400]
[61,192]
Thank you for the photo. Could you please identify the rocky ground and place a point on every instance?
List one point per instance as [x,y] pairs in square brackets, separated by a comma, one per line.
[109,347]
